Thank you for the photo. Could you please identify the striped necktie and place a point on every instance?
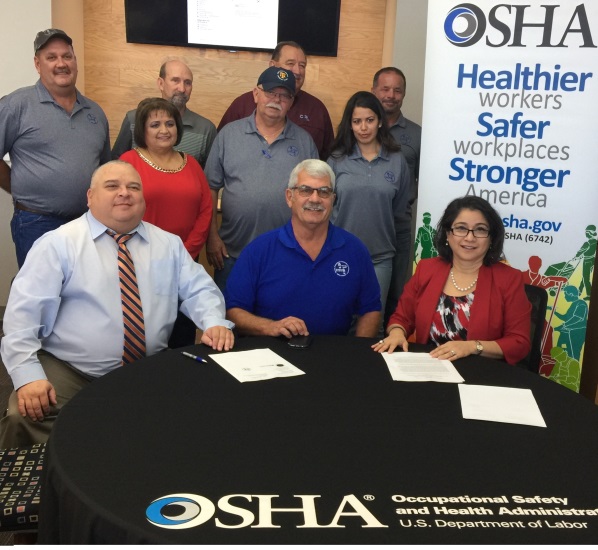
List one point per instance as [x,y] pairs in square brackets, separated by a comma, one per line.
[134,327]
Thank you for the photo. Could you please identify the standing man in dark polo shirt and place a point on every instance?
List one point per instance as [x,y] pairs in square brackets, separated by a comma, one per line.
[307,111]
[389,87]
[55,137]
[175,82]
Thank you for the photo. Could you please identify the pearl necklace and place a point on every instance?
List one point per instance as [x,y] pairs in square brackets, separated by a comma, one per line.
[462,289]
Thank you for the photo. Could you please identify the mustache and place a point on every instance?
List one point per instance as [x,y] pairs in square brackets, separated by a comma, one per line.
[275,106]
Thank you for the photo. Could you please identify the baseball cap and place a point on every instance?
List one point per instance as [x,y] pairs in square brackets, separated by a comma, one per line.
[42,38]
[275,77]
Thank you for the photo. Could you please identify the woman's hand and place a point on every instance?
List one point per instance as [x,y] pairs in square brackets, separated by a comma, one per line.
[454,350]
[396,339]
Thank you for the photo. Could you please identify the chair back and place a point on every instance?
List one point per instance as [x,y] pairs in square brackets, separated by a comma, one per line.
[538,298]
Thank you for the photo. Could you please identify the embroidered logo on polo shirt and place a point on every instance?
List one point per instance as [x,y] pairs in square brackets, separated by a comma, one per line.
[292,150]
[404,139]
[304,117]
[341,268]
[92,118]
[390,177]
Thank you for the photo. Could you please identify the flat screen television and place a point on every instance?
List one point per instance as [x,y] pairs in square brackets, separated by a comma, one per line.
[254,25]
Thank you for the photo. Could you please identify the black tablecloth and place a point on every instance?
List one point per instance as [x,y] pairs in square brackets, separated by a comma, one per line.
[363,459]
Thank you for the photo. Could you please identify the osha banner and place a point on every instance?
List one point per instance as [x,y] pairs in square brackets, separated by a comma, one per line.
[510,115]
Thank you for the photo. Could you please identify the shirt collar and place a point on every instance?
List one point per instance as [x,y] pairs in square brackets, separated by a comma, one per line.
[187,117]
[356,154]
[251,127]
[334,239]
[401,122]
[97,228]
[46,97]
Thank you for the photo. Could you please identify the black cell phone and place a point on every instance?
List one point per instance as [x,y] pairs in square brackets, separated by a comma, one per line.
[300,342]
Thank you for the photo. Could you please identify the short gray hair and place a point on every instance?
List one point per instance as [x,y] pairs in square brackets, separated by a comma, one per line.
[315,168]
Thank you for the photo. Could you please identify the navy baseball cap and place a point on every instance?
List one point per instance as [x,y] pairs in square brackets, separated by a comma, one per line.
[275,77]
[42,38]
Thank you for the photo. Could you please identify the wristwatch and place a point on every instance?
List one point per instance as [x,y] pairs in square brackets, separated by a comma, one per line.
[479,348]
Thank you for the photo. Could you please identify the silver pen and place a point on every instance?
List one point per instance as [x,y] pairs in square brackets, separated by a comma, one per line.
[195,357]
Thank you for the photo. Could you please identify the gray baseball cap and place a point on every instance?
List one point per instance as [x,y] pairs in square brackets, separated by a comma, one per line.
[42,38]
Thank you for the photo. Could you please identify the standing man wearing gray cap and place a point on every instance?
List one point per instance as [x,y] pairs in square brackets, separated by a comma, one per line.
[55,138]
[251,160]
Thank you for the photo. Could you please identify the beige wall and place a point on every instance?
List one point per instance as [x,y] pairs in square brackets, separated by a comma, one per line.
[118,74]
[409,53]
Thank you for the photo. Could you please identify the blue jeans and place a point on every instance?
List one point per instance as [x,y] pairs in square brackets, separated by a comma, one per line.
[221,275]
[27,227]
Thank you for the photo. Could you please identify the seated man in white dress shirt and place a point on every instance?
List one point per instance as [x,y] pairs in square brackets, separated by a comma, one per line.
[64,318]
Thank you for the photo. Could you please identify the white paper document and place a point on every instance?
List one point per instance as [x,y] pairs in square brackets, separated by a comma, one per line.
[497,404]
[235,23]
[254,365]
[420,367]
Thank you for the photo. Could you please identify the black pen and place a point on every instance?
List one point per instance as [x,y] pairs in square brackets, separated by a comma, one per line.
[196,357]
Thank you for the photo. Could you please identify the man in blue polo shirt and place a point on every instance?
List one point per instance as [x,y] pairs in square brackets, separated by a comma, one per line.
[308,276]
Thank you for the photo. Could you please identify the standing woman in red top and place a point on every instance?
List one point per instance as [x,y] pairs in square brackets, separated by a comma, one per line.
[466,300]
[175,187]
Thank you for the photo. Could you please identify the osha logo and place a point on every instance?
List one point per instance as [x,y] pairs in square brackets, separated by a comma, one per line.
[515,25]
[180,511]
[184,510]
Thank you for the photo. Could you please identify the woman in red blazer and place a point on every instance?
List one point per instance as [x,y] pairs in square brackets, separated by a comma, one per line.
[466,300]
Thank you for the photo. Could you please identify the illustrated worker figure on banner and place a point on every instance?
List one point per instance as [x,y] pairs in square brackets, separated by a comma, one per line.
[566,370]
[573,330]
[586,254]
[425,238]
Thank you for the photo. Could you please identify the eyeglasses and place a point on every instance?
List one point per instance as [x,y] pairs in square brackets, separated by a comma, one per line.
[277,95]
[478,232]
[307,191]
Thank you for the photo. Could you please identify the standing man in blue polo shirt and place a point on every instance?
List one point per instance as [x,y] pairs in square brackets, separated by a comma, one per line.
[251,160]
[308,276]
[55,138]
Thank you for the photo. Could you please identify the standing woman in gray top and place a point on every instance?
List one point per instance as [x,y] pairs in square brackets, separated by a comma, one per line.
[372,182]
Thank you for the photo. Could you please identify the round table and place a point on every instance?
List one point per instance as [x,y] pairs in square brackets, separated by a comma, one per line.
[169,450]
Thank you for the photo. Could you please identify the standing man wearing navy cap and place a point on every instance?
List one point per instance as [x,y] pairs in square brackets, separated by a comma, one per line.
[307,111]
[55,138]
[251,160]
